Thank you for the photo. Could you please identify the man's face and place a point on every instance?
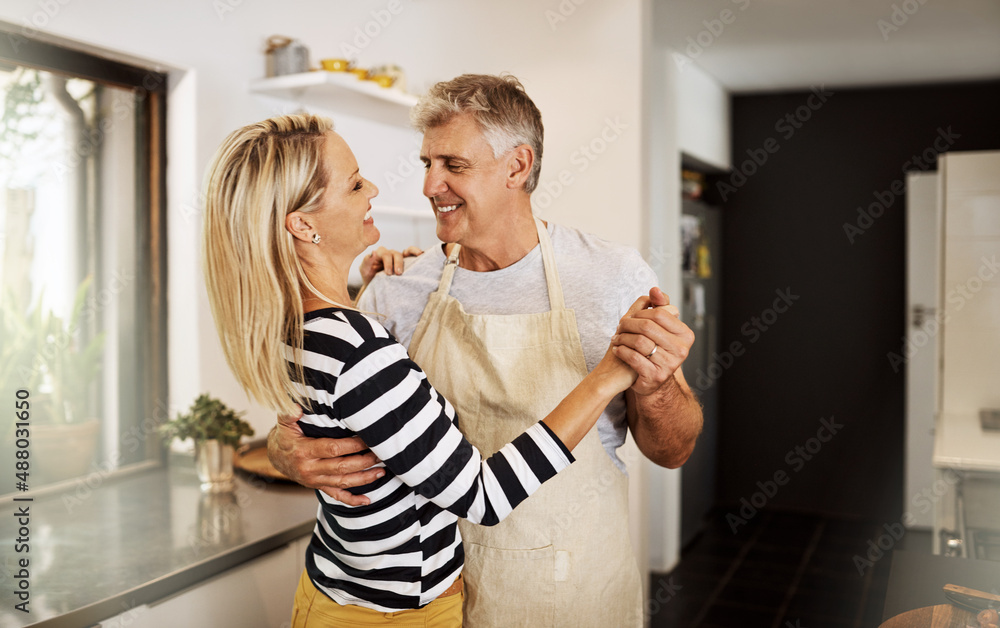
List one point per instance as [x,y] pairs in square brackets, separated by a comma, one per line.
[466,185]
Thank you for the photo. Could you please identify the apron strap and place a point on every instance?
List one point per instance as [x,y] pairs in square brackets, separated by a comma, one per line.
[556,300]
[449,269]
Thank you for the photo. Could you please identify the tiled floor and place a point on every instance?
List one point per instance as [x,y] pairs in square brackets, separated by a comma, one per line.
[780,570]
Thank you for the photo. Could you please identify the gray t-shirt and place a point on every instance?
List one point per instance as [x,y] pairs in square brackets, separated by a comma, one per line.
[600,280]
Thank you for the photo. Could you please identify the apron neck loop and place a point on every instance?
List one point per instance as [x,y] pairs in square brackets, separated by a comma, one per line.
[556,300]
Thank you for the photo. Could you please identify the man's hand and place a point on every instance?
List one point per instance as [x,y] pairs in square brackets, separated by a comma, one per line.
[663,414]
[319,462]
[389,260]
[652,325]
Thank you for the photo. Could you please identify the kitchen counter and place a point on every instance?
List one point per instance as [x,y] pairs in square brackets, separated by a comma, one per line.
[966,463]
[961,443]
[108,545]
[917,579]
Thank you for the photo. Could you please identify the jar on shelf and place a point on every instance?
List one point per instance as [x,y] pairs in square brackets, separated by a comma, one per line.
[286,56]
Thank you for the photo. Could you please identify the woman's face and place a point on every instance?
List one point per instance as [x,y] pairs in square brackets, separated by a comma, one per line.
[344,222]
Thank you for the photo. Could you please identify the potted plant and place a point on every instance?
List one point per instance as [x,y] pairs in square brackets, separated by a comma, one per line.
[42,353]
[216,430]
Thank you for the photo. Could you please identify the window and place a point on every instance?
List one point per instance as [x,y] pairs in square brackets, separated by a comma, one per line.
[82,259]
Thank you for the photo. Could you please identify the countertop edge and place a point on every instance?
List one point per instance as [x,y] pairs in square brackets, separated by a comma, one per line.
[175,582]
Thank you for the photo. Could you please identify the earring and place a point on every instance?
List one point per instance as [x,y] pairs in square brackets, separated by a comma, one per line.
[316,238]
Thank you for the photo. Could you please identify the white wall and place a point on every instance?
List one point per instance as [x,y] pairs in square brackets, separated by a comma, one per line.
[970,299]
[582,67]
[583,63]
[702,115]
[662,195]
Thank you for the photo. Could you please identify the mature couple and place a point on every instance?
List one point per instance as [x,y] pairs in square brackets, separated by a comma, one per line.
[526,335]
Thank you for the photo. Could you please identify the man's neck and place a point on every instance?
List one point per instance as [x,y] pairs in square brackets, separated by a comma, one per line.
[518,239]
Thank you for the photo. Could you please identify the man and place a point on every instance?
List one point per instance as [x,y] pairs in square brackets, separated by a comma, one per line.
[505,319]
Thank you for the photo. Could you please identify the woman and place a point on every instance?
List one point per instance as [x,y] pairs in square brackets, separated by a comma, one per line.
[287,213]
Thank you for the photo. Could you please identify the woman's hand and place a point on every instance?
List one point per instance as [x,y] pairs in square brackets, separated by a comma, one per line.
[389,260]
[614,373]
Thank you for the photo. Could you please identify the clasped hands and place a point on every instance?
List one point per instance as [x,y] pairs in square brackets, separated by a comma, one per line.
[650,338]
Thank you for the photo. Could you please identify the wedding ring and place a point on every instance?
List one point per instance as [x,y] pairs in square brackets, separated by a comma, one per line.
[650,354]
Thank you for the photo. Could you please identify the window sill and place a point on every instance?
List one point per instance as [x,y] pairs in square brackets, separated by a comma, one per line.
[96,551]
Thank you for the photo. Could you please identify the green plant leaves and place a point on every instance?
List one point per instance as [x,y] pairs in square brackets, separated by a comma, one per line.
[208,419]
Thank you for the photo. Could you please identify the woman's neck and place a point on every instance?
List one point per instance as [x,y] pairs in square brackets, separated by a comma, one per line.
[329,282]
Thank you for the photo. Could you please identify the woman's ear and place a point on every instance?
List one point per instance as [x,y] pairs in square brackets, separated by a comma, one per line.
[298,225]
[519,164]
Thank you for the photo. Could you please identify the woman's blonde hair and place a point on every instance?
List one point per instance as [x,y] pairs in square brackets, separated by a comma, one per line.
[259,175]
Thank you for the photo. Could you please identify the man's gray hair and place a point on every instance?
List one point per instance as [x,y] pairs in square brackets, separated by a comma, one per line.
[498,104]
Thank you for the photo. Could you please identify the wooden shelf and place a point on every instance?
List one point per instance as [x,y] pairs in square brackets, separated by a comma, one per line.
[342,92]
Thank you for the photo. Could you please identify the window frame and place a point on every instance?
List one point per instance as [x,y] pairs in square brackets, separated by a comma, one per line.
[149,86]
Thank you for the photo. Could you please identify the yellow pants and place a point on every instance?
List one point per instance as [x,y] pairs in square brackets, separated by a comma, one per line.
[313,609]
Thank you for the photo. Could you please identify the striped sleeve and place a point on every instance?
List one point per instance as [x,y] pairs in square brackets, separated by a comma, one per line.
[385,398]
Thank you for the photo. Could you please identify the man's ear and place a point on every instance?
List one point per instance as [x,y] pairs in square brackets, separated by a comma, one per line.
[519,164]
[299,226]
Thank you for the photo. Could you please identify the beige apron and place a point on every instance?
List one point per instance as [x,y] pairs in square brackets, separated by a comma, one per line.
[563,557]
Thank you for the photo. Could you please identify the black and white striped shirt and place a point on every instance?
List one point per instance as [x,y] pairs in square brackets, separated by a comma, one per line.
[403,549]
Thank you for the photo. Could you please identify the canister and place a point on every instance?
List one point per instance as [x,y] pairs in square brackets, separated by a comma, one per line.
[286,56]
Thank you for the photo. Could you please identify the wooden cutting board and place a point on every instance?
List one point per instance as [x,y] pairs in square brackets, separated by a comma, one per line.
[940,616]
[255,461]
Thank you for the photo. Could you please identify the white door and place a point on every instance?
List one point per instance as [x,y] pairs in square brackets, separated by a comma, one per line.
[923,233]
